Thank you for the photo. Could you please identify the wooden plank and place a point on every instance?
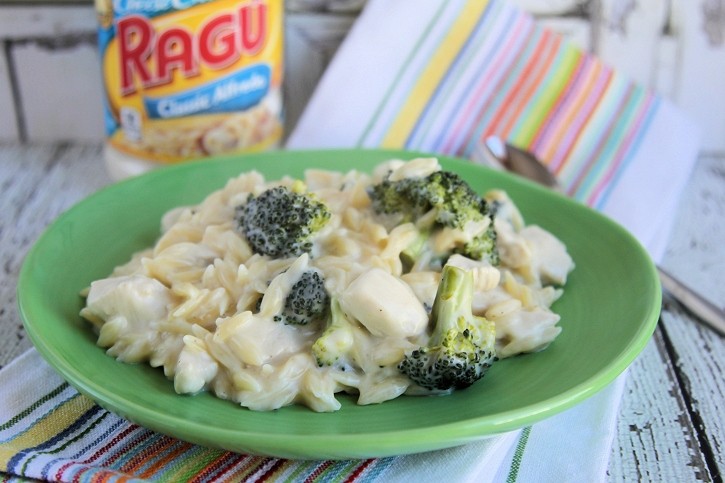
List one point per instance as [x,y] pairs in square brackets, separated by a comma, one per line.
[50,21]
[569,18]
[310,43]
[628,34]
[60,91]
[19,174]
[38,183]
[696,253]
[337,6]
[575,30]
[666,401]
[696,250]
[667,68]
[656,440]
[701,30]
[551,7]
[8,121]
[700,361]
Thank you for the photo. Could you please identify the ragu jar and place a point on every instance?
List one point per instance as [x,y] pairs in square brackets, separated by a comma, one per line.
[189,79]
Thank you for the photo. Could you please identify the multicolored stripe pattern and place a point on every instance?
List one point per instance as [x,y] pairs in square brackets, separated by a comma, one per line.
[63,436]
[482,68]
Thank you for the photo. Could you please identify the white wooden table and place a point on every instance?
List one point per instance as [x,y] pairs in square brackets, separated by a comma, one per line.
[670,425]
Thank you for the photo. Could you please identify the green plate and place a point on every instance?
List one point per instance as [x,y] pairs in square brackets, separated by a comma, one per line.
[608,312]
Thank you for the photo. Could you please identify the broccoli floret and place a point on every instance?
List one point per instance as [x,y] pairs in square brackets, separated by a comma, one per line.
[482,246]
[446,200]
[336,339]
[396,197]
[307,301]
[281,223]
[454,201]
[461,346]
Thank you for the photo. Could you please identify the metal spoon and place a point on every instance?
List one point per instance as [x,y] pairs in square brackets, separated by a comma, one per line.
[500,154]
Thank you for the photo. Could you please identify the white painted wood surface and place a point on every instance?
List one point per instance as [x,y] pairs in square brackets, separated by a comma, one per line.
[629,34]
[311,41]
[37,183]
[31,23]
[656,440]
[670,426]
[701,28]
[8,123]
[75,111]
[672,418]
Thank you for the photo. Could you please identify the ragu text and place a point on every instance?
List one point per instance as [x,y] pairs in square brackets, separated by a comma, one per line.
[151,57]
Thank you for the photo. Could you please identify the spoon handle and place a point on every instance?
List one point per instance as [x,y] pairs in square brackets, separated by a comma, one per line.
[707,312]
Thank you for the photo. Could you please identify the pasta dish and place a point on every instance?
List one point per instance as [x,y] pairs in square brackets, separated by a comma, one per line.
[401,281]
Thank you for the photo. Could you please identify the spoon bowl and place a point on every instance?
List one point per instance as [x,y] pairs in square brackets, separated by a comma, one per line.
[497,153]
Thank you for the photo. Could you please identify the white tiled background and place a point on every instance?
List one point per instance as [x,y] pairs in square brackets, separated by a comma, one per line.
[50,87]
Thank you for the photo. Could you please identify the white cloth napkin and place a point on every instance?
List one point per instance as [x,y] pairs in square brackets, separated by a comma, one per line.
[440,76]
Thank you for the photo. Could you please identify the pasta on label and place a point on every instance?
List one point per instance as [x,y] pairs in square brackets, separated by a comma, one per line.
[388,273]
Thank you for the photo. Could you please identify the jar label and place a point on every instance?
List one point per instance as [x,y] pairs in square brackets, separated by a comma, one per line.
[188,78]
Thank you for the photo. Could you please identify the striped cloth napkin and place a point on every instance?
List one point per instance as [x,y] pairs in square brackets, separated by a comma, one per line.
[462,70]
[459,71]
[48,431]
